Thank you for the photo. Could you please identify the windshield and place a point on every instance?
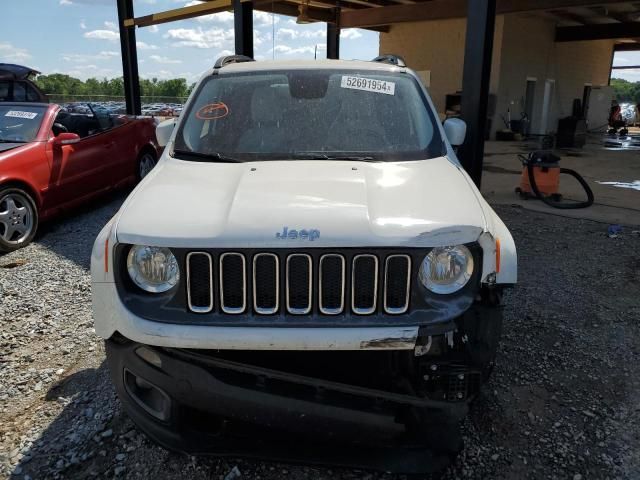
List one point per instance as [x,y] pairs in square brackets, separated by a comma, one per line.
[321,114]
[20,123]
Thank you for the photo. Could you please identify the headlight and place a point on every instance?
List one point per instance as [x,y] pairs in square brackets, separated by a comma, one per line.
[446,269]
[153,269]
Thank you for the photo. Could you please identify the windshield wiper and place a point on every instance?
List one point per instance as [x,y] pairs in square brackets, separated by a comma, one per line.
[205,157]
[323,156]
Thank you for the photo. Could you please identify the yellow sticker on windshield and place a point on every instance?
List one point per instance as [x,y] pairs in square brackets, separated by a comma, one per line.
[368,84]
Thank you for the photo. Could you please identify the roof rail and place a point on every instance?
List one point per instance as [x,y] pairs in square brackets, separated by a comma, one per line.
[228,59]
[391,59]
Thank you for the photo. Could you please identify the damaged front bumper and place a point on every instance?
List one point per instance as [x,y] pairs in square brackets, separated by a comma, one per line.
[327,407]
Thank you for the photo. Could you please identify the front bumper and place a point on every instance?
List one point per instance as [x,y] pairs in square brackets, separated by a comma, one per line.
[112,316]
[213,405]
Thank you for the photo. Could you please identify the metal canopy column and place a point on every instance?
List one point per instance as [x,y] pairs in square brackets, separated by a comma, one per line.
[333,37]
[481,17]
[129,58]
[243,27]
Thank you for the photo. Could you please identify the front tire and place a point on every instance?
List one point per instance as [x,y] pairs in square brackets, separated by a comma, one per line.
[146,162]
[18,219]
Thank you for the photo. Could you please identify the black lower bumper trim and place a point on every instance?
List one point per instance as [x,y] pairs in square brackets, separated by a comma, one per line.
[228,408]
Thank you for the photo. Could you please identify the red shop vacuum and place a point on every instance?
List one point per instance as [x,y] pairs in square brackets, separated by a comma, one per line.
[541,179]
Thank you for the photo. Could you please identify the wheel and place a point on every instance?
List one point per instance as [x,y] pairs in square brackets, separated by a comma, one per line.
[18,219]
[146,162]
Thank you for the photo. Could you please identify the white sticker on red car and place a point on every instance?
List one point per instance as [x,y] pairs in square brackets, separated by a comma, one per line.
[21,114]
[368,84]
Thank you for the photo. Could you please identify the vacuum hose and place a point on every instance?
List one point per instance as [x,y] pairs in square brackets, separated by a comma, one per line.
[554,204]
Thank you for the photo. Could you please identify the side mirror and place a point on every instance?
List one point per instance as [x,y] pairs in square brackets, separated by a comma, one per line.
[66,138]
[456,130]
[164,131]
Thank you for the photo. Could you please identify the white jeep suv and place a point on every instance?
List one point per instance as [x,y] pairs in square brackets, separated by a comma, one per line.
[309,261]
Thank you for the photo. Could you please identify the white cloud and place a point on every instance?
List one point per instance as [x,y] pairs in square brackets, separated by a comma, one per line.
[309,49]
[14,54]
[221,17]
[83,25]
[84,58]
[200,38]
[146,46]
[153,29]
[89,71]
[111,26]
[102,35]
[93,3]
[160,74]
[292,33]
[160,59]
[263,19]
[350,33]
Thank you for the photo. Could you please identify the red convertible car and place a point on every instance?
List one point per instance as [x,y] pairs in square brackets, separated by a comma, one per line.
[52,160]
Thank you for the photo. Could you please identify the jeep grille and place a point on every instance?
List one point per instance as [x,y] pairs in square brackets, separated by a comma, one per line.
[269,282]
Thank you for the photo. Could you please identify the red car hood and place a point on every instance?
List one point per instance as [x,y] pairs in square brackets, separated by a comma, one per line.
[8,150]
[9,146]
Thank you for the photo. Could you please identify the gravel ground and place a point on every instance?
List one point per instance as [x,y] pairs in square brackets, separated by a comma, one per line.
[563,401]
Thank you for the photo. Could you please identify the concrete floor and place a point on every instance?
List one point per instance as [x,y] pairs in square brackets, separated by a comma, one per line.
[595,162]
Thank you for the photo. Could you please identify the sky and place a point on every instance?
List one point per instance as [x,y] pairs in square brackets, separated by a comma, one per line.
[80,38]
[623,59]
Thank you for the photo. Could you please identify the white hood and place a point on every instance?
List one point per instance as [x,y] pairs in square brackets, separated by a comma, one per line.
[239,205]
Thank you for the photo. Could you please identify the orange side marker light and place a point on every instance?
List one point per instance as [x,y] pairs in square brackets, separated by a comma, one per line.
[106,256]
[497,255]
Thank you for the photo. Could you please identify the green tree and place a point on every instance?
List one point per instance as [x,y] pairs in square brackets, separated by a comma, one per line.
[61,84]
[626,91]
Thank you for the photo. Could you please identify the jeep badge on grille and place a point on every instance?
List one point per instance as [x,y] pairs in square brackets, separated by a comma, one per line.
[292,234]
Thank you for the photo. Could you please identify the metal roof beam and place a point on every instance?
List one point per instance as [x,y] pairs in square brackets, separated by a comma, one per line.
[622,17]
[443,9]
[571,17]
[605,31]
[627,47]
[318,14]
[205,8]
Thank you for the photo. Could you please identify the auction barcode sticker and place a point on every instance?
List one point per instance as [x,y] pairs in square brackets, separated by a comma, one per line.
[368,84]
[21,114]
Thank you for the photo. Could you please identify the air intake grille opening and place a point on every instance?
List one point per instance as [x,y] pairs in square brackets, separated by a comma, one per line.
[332,284]
[233,283]
[199,282]
[266,288]
[397,283]
[292,282]
[299,284]
[364,284]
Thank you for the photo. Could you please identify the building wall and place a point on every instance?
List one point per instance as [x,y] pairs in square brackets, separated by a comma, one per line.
[580,63]
[524,47]
[437,46]
[529,51]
